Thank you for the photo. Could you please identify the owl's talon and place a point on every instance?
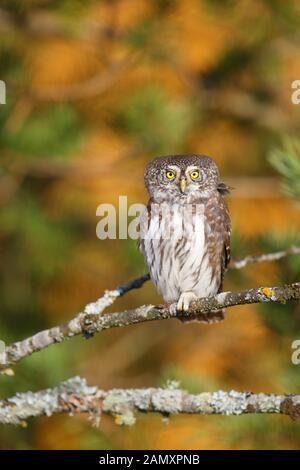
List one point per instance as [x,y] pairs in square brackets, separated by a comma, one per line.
[173,309]
[185,300]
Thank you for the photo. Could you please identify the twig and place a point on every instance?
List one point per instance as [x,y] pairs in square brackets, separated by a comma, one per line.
[234,263]
[74,396]
[90,321]
[241,263]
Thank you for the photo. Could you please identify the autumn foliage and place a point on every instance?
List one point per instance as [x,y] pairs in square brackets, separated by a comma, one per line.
[95,90]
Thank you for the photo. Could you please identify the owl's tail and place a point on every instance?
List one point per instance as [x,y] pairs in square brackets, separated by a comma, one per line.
[214,316]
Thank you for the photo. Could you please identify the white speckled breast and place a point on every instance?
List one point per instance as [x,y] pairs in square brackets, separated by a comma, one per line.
[175,251]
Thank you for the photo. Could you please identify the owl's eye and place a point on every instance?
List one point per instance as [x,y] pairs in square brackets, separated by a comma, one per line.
[194,174]
[170,175]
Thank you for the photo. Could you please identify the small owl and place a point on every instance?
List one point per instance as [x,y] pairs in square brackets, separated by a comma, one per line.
[185,230]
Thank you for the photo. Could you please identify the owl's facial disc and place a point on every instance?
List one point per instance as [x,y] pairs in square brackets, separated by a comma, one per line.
[186,180]
[190,180]
[181,178]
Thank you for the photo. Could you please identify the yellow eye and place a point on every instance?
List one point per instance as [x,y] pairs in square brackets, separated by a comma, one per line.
[195,174]
[170,175]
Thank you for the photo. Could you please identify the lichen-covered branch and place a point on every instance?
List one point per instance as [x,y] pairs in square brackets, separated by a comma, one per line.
[91,320]
[75,396]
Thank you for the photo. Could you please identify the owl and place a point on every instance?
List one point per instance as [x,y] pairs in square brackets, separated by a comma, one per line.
[185,230]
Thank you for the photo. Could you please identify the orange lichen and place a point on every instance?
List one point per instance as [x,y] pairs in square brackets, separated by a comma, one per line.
[267,291]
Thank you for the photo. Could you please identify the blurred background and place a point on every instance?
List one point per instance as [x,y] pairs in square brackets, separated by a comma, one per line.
[95,89]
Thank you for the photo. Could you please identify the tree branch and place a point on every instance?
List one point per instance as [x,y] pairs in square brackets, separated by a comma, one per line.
[91,321]
[74,396]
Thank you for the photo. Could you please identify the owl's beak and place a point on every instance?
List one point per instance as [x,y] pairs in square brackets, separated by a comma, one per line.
[182,185]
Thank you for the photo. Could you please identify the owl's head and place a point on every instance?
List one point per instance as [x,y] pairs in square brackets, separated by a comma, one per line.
[182,178]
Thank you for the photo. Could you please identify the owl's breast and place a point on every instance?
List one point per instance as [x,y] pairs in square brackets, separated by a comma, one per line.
[176,254]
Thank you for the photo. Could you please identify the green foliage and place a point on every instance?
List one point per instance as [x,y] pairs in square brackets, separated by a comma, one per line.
[32,232]
[16,7]
[141,34]
[158,122]
[54,132]
[286,162]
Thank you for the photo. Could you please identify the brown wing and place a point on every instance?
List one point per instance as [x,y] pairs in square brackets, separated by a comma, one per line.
[225,256]
[217,236]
